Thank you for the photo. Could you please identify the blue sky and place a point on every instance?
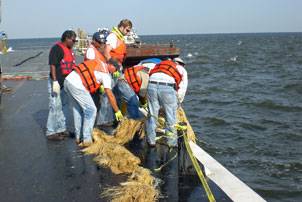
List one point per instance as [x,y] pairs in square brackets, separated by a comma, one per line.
[39,18]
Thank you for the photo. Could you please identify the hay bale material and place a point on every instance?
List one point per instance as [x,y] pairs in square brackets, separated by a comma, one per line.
[117,158]
[124,132]
[181,117]
[110,152]
[138,188]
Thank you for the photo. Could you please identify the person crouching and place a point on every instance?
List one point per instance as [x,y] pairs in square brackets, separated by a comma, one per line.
[79,85]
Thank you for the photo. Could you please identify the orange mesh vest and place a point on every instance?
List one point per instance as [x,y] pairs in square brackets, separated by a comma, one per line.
[86,71]
[133,78]
[119,52]
[168,67]
[99,56]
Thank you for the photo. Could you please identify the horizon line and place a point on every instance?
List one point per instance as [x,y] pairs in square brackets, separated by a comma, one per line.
[211,33]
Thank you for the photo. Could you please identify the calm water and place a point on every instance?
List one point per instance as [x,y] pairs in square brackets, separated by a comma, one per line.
[244,102]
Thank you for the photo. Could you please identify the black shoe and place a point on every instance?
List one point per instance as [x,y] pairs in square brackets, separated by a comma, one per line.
[67,134]
[55,137]
[71,134]
[64,134]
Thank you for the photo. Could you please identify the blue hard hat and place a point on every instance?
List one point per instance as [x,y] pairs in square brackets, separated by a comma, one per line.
[100,36]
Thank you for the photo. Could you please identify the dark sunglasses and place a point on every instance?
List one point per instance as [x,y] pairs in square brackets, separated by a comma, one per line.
[74,40]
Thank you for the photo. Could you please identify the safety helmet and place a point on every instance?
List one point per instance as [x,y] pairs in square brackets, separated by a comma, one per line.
[100,36]
[179,60]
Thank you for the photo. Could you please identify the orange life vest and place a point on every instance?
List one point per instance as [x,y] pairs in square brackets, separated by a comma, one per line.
[100,56]
[168,67]
[133,78]
[119,52]
[86,71]
[68,62]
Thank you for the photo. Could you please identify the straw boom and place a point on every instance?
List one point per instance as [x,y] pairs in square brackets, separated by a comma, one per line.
[111,153]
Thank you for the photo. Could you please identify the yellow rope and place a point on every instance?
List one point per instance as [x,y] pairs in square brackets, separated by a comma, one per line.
[199,171]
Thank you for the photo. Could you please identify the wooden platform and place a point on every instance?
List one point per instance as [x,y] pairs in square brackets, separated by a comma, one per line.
[136,53]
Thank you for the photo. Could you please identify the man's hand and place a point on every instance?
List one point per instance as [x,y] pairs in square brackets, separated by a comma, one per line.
[180,98]
[56,87]
[115,63]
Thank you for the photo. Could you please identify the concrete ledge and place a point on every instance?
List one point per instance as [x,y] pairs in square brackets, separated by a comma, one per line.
[229,183]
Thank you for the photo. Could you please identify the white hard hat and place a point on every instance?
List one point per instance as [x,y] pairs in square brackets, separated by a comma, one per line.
[179,60]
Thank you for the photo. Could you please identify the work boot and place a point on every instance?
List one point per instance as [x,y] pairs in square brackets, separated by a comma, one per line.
[55,137]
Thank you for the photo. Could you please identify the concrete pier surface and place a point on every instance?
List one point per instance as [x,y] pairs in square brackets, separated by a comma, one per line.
[35,169]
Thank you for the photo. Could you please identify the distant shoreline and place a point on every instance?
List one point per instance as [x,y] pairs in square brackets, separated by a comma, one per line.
[191,34]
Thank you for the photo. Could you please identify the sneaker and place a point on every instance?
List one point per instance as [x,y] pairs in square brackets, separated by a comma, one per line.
[55,137]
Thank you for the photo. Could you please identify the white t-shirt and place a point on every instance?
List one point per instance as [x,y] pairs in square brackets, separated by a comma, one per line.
[183,85]
[112,40]
[162,77]
[104,78]
[101,77]
[90,54]
[75,79]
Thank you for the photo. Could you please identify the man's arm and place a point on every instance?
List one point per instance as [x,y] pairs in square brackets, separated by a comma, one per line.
[53,72]
[55,56]
[112,99]
[105,79]
[107,50]
[90,55]
[183,85]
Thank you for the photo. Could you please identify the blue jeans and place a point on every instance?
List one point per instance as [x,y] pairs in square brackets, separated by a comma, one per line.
[58,111]
[165,97]
[106,114]
[122,90]
[84,111]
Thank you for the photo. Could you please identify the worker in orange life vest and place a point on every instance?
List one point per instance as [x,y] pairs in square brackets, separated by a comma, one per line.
[115,49]
[79,85]
[135,81]
[167,86]
[61,61]
[94,52]
[115,53]
[137,78]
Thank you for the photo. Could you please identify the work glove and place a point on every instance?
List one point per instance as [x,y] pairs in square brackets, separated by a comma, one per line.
[118,115]
[180,127]
[180,98]
[102,89]
[56,87]
[144,106]
[116,74]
